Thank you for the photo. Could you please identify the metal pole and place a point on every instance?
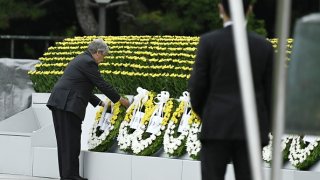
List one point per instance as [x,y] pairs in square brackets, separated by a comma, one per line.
[102,20]
[279,79]
[247,90]
[12,48]
[46,45]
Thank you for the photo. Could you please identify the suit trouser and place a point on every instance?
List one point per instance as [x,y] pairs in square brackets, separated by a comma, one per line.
[216,154]
[68,134]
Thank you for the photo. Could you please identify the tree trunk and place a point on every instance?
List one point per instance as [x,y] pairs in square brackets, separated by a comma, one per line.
[86,18]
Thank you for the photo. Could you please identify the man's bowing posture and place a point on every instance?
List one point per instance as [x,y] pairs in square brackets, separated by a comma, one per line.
[215,97]
[69,99]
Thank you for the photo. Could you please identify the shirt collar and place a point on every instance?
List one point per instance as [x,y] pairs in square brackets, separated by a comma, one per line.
[228,23]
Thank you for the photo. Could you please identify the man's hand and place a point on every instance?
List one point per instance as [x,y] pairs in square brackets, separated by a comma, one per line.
[124,102]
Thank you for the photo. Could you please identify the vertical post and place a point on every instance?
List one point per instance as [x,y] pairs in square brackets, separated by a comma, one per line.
[247,90]
[279,79]
[12,48]
[102,20]
[46,45]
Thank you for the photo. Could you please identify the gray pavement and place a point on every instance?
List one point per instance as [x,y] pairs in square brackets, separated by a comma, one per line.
[19,177]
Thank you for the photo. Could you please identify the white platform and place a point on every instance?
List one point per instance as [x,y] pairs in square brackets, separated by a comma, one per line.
[28,147]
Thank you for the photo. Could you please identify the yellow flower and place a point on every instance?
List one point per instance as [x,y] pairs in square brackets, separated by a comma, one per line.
[128,115]
[178,113]
[194,118]
[116,111]
[167,112]
[99,113]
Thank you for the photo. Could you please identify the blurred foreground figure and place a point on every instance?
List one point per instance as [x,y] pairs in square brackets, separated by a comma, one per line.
[215,96]
[69,99]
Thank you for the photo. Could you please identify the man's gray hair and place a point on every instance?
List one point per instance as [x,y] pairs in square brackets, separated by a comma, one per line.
[98,45]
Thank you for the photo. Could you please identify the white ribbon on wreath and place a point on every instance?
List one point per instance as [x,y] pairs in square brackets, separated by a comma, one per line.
[125,138]
[170,143]
[138,101]
[154,127]
[103,124]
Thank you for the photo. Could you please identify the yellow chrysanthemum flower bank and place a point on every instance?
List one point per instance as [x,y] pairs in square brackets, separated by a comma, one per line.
[153,62]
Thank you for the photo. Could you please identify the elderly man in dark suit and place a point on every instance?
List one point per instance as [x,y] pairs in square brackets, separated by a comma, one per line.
[69,99]
[215,97]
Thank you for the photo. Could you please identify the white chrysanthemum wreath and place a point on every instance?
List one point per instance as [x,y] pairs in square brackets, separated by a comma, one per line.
[106,126]
[142,103]
[285,146]
[148,138]
[175,137]
[193,143]
[304,154]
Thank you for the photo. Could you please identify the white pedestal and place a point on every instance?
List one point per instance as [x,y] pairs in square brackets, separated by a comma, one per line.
[28,147]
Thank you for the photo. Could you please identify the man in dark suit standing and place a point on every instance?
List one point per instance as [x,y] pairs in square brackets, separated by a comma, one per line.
[215,97]
[69,99]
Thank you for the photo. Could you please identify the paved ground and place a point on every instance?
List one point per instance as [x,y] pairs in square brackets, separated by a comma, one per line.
[18,177]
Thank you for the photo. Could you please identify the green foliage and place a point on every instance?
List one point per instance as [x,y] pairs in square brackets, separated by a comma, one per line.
[257,25]
[134,61]
[14,9]
[311,159]
[181,17]
[187,17]
[195,157]
[158,63]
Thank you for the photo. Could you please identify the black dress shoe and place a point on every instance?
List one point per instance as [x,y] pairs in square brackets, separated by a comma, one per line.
[74,178]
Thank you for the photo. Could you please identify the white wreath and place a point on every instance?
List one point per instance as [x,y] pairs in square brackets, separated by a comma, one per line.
[171,143]
[155,126]
[103,124]
[133,114]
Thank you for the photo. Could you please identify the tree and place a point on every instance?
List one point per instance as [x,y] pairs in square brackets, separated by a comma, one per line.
[85,17]
[182,17]
[13,9]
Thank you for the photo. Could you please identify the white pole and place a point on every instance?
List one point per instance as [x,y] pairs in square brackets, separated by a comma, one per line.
[247,89]
[279,79]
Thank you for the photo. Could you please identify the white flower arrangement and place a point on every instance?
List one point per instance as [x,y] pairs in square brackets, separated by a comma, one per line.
[285,145]
[175,136]
[148,139]
[304,154]
[267,150]
[105,127]
[300,152]
[124,137]
[193,143]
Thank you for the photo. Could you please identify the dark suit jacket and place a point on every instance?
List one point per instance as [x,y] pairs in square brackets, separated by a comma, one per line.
[215,90]
[74,89]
